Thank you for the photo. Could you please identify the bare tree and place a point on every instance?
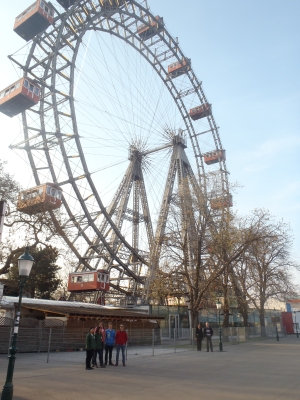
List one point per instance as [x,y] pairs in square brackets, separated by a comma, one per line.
[229,243]
[21,229]
[187,270]
[265,271]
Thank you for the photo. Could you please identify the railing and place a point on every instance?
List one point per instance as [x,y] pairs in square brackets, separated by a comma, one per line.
[56,335]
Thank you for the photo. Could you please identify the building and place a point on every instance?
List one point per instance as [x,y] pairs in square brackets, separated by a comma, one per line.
[63,325]
[291,316]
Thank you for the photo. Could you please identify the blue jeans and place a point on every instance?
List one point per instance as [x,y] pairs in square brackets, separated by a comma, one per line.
[122,347]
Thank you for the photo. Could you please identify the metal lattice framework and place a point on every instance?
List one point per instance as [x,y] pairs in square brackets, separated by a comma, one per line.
[52,139]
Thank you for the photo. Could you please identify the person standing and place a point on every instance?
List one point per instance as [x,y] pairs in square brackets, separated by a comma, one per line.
[208,332]
[199,336]
[121,341]
[90,345]
[98,348]
[102,330]
[110,335]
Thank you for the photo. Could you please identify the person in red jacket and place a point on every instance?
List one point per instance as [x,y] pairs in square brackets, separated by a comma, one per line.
[121,341]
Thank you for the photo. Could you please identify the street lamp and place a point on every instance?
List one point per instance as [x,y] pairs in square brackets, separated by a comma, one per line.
[296,325]
[219,305]
[24,265]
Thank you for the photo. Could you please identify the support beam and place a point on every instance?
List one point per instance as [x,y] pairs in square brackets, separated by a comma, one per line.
[179,165]
[135,217]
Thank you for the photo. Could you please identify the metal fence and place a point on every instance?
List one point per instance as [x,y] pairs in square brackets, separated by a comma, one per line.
[57,336]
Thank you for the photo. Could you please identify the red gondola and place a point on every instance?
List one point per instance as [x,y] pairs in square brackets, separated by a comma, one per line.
[201,111]
[215,156]
[89,281]
[41,198]
[34,20]
[156,25]
[179,68]
[221,202]
[19,96]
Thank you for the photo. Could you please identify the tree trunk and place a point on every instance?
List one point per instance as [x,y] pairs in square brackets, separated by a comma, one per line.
[226,300]
[262,321]
[226,323]
[226,311]
[262,317]
[194,318]
[244,313]
[241,300]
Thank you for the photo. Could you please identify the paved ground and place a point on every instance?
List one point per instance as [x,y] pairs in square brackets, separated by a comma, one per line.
[253,371]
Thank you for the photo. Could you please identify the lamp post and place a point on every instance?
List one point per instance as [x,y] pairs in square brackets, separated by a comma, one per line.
[219,305]
[296,326]
[24,265]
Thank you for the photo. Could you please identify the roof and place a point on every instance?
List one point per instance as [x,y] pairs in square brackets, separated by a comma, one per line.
[69,308]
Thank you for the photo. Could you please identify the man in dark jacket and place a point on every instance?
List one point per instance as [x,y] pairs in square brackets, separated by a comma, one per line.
[90,345]
[208,332]
[121,341]
[199,336]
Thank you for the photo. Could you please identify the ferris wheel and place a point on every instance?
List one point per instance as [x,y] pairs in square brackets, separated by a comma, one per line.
[120,128]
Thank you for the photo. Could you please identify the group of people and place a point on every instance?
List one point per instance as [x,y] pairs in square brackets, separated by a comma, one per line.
[100,340]
[207,333]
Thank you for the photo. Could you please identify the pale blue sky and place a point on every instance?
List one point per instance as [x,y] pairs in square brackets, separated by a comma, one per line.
[247,55]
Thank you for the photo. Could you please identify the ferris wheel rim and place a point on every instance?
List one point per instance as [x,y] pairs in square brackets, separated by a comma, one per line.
[190,74]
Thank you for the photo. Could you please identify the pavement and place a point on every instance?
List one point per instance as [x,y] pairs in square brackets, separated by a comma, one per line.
[251,371]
